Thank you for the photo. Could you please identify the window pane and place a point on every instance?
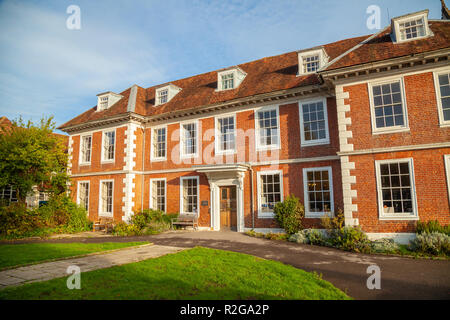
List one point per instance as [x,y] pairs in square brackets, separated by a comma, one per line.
[396,188]
[318,189]
[268,127]
[270,191]
[387,102]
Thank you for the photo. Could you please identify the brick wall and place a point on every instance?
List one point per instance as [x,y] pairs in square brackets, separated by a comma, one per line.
[430,176]
[430,182]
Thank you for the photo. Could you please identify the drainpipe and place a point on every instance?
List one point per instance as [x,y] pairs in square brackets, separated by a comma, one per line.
[252,196]
[142,176]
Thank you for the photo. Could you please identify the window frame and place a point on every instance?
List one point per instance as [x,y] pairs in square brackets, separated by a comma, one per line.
[273,146]
[100,211]
[409,18]
[313,215]
[10,199]
[197,178]
[151,193]
[159,96]
[447,171]
[222,81]
[89,193]
[326,140]
[267,215]
[103,102]
[323,60]
[436,74]
[218,135]
[393,129]
[103,160]
[182,139]
[387,216]
[81,160]
[152,147]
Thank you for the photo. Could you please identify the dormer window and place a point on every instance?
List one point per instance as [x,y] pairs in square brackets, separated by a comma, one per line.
[165,94]
[106,100]
[230,78]
[410,27]
[228,81]
[103,103]
[310,61]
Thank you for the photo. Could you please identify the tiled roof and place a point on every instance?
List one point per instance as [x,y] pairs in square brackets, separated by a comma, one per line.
[270,74]
[263,76]
[5,122]
[381,47]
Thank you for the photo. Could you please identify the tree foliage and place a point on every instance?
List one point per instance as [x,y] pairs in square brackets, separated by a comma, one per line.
[30,154]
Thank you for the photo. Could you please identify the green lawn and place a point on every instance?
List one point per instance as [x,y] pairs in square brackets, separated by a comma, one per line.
[20,254]
[198,273]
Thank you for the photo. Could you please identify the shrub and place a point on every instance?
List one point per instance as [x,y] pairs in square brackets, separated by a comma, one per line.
[276,236]
[148,221]
[310,236]
[333,223]
[289,214]
[432,226]
[16,220]
[350,239]
[300,237]
[435,243]
[60,214]
[384,246]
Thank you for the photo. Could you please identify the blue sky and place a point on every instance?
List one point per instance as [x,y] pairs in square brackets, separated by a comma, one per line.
[47,69]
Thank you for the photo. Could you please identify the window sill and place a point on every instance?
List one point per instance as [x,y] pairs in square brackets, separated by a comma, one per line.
[220,90]
[266,148]
[399,217]
[105,214]
[318,215]
[266,215]
[305,74]
[158,159]
[396,130]
[107,161]
[444,124]
[85,164]
[315,143]
[225,153]
[188,156]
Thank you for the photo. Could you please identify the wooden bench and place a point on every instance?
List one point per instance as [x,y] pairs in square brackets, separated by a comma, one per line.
[186,220]
[104,224]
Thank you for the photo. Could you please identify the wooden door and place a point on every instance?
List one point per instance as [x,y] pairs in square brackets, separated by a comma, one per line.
[228,208]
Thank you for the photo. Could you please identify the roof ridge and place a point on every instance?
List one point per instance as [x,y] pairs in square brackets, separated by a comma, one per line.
[353,49]
[252,61]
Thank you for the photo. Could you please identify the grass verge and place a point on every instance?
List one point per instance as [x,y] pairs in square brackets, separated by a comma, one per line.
[23,254]
[198,273]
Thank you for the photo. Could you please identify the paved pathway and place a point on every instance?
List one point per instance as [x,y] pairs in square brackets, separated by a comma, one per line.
[401,278]
[56,269]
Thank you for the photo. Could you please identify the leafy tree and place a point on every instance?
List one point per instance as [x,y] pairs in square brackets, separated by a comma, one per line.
[30,154]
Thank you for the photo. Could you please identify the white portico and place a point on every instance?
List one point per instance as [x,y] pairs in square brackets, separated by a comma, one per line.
[220,177]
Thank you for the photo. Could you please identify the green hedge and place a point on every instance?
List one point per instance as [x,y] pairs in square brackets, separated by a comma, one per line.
[59,215]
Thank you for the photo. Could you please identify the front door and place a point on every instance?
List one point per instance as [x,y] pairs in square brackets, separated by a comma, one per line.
[228,208]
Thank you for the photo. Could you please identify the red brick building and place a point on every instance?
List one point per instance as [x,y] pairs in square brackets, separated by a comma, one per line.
[362,124]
